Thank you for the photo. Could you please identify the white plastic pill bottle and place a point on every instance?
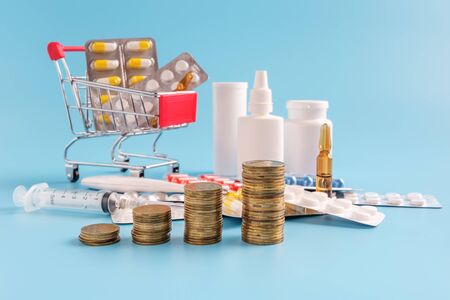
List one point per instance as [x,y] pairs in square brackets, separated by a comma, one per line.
[229,104]
[302,133]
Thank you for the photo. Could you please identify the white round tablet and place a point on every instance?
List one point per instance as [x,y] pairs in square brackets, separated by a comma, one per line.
[195,78]
[173,86]
[167,75]
[371,210]
[335,208]
[181,66]
[151,85]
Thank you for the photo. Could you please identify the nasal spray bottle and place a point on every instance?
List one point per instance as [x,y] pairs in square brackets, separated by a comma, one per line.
[260,135]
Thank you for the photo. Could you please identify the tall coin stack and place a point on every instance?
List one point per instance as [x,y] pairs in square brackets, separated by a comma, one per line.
[203,213]
[151,224]
[263,208]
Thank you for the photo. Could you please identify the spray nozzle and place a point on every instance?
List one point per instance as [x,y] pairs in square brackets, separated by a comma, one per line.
[261,95]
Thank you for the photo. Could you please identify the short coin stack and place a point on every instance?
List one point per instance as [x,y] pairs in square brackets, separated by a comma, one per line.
[99,234]
[263,208]
[203,213]
[151,224]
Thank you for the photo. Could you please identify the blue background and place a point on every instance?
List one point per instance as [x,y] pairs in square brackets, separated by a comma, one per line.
[384,67]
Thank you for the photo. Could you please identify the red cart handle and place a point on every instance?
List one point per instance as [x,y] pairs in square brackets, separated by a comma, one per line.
[56,50]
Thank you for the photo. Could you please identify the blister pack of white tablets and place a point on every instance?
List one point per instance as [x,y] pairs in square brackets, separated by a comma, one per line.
[183,73]
[343,208]
[394,199]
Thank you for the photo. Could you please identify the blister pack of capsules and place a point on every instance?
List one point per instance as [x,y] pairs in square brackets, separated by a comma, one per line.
[121,63]
[181,74]
[394,199]
[343,208]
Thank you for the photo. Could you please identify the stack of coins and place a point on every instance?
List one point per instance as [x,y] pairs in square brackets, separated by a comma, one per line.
[263,209]
[151,224]
[99,234]
[203,213]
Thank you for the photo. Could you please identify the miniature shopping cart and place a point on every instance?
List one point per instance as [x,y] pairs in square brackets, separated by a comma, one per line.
[169,111]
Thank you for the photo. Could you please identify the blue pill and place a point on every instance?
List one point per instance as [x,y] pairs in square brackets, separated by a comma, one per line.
[290,180]
[305,181]
[337,183]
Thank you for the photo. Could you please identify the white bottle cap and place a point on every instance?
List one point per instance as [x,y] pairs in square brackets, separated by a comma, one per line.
[260,96]
[307,109]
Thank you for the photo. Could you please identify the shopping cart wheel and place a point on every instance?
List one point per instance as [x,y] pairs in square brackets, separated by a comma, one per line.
[72,173]
[176,168]
[125,160]
[137,173]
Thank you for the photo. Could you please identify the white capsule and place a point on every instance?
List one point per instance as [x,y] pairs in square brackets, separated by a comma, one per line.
[181,66]
[372,200]
[167,76]
[152,85]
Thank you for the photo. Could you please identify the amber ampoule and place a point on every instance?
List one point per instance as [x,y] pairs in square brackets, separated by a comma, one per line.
[324,162]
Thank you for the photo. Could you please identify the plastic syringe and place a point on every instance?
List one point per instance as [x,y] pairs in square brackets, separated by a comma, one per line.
[42,196]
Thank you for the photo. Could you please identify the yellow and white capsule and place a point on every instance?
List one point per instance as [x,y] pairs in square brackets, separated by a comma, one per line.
[139,45]
[102,47]
[111,80]
[104,64]
[135,79]
[139,63]
[104,119]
